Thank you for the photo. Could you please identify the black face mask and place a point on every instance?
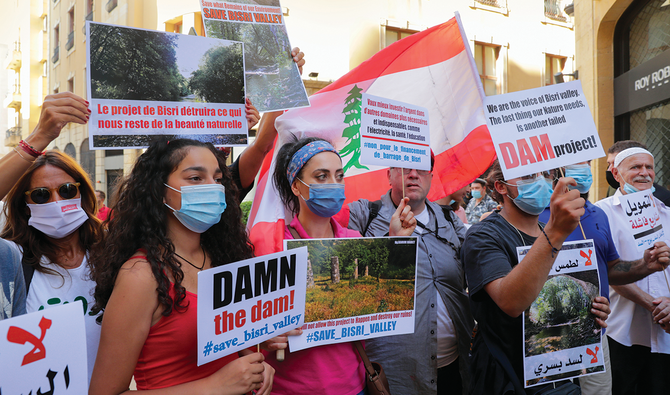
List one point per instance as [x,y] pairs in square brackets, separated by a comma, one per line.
[611,180]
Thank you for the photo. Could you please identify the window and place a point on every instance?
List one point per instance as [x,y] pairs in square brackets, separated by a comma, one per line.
[553,9]
[552,65]
[89,10]
[394,34]
[56,56]
[70,35]
[486,57]
[70,85]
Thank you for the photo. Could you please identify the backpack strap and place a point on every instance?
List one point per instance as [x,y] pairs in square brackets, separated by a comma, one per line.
[28,272]
[294,233]
[374,208]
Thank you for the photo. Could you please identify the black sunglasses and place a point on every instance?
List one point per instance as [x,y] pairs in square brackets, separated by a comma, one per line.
[42,195]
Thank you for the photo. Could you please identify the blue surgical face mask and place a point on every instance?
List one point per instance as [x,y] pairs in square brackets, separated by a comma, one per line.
[534,195]
[582,175]
[452,202]
[631,189]
[477,194]
[201,206]
[325,200]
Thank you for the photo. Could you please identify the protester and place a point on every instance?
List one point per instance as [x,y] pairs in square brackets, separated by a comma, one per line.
[639,346]
[176,214]
[103,211]
[310,181]
[455,202]
[434,359]
[661,193]
[51,215]
[480,203]
[595,226]
[501,288]
[12,284]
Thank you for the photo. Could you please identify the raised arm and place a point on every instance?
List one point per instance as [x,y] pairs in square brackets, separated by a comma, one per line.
[57,111]
[515,292]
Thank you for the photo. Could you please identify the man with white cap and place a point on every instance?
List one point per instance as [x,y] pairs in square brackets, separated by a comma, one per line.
[639,345]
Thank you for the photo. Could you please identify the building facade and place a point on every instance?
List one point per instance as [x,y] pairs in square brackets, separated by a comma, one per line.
[623,58]
[517,44]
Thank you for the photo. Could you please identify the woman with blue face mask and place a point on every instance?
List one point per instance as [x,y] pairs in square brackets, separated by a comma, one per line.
[310,181]
[176,214]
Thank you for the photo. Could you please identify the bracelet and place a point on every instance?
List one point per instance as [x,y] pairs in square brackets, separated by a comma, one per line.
[553,249]
[29,149]
[22,157]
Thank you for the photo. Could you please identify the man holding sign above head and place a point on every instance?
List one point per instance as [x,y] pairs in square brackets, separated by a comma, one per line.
[639,346]
[502,288]
[435,358]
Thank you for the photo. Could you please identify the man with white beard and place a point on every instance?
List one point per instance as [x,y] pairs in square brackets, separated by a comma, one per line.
[639,345]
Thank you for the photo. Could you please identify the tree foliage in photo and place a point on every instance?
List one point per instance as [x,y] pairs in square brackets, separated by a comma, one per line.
[220,77]
[132,64]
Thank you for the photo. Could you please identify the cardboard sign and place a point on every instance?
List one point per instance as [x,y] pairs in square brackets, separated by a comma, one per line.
[44,352]
[541,129]
[273,79]
[394,134]
[244,303]
[357,289]
[144,85]
[643,218]
[561,337]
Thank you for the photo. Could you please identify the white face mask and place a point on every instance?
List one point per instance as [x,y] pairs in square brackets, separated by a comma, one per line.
[57,219]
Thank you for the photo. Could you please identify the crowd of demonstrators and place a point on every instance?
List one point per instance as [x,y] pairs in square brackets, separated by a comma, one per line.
[639,344]
[480,203]
[434,359]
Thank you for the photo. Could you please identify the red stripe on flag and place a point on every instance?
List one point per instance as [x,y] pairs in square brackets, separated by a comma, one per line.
[267,237]
[415,51]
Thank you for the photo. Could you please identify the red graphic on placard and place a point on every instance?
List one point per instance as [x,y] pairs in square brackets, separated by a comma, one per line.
[21,336]
[593,354]
[588,257]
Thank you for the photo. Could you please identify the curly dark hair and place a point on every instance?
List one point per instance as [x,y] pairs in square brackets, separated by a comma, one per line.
[36,244]
[139,220]
[495,174]
[280,178]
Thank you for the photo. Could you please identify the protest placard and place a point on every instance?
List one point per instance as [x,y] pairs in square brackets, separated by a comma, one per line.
[273,79]
[644,221]
[44,352]
[541,129]
[244,303]
[357,289]
[145,85]
[561,337]
[394,134]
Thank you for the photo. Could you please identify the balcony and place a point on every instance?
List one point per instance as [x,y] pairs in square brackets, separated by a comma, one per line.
[70,41]
[56,57]
[14,61]
[111,4]
[13,136]
[553,10]
[13,100]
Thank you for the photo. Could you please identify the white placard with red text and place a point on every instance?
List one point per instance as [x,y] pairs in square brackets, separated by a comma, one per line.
[44,352]
[541,129]
[644,221]
[244,303]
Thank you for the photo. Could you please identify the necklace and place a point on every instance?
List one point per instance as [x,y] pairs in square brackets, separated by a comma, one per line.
[204,259]
[515,228]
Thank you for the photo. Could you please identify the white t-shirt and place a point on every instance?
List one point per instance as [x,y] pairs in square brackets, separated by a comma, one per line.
[447,341]
[50,290]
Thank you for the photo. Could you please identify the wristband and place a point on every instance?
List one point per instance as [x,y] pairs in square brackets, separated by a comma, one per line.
[29,149]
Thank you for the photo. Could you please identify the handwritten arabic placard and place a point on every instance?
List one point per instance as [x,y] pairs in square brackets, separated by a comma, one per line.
[44,352]
[643,218]
[561,336]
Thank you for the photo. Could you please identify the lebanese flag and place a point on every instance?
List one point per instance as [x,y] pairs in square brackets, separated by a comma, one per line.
[434,69]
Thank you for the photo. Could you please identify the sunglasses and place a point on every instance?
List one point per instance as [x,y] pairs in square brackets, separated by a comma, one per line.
[42,195]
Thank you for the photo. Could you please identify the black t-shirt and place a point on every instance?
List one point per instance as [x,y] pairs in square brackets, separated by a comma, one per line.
[489,253]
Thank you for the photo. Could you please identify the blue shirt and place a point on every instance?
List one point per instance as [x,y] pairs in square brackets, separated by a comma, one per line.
[597,227]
